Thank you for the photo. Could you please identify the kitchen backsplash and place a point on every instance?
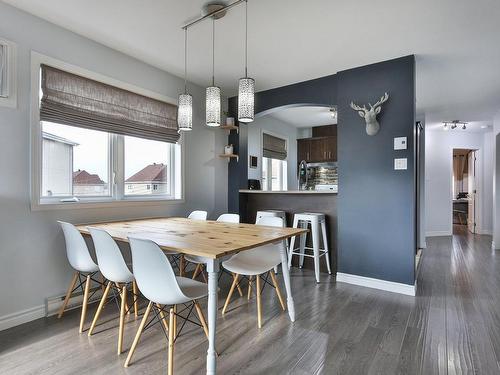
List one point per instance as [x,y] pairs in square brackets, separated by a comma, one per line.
[322,175]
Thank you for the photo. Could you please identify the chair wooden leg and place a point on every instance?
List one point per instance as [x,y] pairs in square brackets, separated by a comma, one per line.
[233,285]
[203,275]
[84,303]
[201,317]
[277,289]
[259,305]
[239,289]
[135,290]
[162,316]
[123,308]
[196,271]
[182,263]
[138,334]
[171,338]
[175,321]
[103,281]
[249,287]
[68,295]
[99,309]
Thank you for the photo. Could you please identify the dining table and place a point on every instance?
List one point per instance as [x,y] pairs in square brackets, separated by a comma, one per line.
[211,240]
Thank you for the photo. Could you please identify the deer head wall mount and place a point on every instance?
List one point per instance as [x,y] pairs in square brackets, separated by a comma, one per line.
[370,115]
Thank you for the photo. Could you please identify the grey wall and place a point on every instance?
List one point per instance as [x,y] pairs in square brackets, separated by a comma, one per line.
[376,204]
[33,263]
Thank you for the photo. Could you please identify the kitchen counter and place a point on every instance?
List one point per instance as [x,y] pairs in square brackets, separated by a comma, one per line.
[287,191]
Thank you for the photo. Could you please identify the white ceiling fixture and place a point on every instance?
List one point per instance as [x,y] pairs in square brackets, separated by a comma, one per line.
[457,73]
[447,125]
[305,116]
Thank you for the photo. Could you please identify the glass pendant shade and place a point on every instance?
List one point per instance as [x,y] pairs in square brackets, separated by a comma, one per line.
[246,97]
[185,112]
[213,106]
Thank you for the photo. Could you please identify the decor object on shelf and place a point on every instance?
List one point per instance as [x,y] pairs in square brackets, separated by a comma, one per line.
[370,115]
[253,161]
[228,150]
[213,95]
[230,121]
[447,125]
[185,109]
[246,86]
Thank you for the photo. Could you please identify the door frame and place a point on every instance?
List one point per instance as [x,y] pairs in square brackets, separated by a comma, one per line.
[478,184]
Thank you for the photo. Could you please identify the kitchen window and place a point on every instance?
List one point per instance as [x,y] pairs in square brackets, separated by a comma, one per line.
[274,163]
[86,155]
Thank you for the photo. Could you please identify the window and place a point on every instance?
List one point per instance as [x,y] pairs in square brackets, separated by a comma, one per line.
[274,174]
[274,164]
[82,161]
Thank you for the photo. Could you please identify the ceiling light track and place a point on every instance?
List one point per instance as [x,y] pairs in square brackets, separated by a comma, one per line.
[447,125]
[217,13]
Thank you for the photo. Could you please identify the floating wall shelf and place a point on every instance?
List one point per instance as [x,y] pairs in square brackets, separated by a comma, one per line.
[230,127]
[229,157]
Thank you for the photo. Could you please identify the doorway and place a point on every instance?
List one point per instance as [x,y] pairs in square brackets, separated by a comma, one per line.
[464,191]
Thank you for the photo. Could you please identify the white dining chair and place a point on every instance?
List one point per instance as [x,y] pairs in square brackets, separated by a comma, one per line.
[201,261]
[115,270]
[79,258]
[157,282]
[255,263]
[198,215]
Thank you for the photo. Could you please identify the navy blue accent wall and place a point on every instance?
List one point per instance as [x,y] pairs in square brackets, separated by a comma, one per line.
[376,204]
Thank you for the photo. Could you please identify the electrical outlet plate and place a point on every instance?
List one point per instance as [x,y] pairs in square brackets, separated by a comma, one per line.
[400,164]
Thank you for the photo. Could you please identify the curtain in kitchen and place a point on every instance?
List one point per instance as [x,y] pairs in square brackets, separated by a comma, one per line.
[78,101]
[273,147]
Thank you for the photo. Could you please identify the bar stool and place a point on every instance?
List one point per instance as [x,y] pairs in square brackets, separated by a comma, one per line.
[317,222]
[272,213]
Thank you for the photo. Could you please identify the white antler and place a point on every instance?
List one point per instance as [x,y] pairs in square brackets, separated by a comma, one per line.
[382,100]
[358,108]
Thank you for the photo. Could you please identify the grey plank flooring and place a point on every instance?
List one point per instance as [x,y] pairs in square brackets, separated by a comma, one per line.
[452,326]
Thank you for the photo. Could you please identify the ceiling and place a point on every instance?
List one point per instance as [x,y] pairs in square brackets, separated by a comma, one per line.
[305,116]
[455,41]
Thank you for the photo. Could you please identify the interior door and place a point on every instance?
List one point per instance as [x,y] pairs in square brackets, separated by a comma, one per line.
[471,215]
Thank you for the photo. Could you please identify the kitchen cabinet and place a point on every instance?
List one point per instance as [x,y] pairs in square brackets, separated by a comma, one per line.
[317,149]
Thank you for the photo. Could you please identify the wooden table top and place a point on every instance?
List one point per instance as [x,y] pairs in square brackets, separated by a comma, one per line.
[209,239]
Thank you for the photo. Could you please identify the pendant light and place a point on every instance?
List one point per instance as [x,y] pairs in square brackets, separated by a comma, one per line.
[185,108]
[213,95]
[246,86]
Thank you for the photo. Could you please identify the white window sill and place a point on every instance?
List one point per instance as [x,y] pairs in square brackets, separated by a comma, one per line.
[129,202]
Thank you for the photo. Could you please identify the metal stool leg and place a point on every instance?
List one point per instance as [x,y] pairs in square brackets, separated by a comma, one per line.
[303,237]
[325,245]
[315,241]
[292,243]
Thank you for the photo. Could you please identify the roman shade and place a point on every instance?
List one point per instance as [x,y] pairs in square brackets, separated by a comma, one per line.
[78,101]
[273,147]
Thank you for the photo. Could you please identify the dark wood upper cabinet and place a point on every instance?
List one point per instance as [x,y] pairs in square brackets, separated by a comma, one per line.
[324,131]
[317,149]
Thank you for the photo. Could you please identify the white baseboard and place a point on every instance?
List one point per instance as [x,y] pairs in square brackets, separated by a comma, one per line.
[486,232]
[21,317]
[438,233]
[51,307]
[369,282]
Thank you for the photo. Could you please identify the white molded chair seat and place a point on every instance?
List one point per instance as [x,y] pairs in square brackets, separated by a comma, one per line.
[255,261]
[198,215]
[110,258]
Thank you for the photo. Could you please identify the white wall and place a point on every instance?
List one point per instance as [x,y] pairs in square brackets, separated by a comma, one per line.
[280,129]
[496,182]
[33,262]
[439,147]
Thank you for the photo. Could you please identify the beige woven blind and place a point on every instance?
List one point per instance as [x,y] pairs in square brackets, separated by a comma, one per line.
[273,147]
[77,101]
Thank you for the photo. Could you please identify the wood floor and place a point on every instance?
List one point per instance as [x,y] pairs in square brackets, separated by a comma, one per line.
[451,327]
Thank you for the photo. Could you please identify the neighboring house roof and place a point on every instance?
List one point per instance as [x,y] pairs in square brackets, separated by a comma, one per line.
[151,173]
[56,138]
[85,178]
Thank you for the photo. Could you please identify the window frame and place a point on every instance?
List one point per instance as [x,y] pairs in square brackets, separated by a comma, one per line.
[116,150]
[283,173]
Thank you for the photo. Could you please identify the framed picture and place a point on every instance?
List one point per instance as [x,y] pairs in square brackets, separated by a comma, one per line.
[252,162]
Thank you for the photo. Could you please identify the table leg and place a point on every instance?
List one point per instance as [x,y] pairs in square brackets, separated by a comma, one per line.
[286,278]
[213,271]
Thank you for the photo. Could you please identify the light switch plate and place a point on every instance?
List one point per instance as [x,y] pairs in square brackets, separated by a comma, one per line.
[400,143]
[400,164]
